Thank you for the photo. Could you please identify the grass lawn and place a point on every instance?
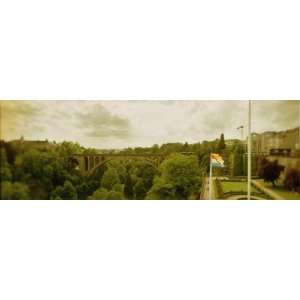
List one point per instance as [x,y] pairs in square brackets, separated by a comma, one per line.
[280,190]
[236,186]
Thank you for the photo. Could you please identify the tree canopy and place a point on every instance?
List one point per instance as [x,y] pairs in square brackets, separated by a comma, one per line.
[110,178]
[47,171]
[180,174]
[14,191]
[292,180]
[270,170]
[221,145]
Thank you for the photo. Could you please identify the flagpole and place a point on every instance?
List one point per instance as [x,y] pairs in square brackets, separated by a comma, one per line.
[249,150]
[210,178]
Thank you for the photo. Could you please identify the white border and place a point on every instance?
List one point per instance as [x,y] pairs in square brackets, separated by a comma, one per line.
[149,50]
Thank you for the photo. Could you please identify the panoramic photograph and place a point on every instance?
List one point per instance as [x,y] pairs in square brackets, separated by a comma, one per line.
[150,150]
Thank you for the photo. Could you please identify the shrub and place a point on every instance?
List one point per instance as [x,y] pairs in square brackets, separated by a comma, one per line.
[270,170]
[292,180]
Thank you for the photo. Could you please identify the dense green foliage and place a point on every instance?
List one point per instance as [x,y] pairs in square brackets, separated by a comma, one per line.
[270,170]
[14,191]
[110,178]
[179,178]
[5,172]
[128,187]
[100,194]
[221,145]
[65,192]
[237,163]
[139,189]
[47,171]
[292,180]
[43,170]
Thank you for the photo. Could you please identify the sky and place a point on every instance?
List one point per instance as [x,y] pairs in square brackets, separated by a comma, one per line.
[121,124]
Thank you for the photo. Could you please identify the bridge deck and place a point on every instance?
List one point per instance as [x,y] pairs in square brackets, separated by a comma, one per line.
[119,154]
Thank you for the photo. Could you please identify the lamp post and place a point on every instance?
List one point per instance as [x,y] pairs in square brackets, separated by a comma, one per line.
[249,150]
[242,131]
[242,136]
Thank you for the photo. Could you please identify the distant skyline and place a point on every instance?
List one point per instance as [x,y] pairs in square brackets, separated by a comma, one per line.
[121,124]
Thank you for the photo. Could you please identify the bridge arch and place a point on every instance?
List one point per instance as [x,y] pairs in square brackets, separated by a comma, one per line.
[102,163]
[89,163]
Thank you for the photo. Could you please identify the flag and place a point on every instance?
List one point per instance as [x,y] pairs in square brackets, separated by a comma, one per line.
[216,160]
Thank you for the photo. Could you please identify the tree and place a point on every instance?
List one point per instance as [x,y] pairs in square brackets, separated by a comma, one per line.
[14,191]
[120,169]
[57,193]
[3,158]
[154,148]
[47,176]
[128,188]
[237,165]
[292,180]
[185,147]
[270,170]
[59,172]
[161,190]
[10,151]
[31,162]
[118,187]
[42,168]
[139,190]
[204,161]
[221,145]
[5,172]
[67,149]
[100,194]
[65,192]
[147,174]
[69,191]
[179,172]
[146,171]
[104,194]
[83,190]
[110,178]
[114,195]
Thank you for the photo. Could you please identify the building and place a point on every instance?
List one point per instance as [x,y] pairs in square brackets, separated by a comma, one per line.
[282,142]
[23,144]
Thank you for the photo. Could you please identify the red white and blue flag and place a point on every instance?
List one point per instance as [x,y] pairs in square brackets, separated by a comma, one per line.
[216,160]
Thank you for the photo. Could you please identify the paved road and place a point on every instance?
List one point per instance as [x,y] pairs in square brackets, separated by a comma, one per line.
[266,190]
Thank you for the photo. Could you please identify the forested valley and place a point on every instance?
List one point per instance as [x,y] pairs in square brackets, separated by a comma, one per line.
[45,171]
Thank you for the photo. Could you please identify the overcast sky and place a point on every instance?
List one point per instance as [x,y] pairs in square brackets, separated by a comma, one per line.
[120,124]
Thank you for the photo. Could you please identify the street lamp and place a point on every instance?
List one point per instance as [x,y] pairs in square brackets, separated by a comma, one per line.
[249,150]
[242,131]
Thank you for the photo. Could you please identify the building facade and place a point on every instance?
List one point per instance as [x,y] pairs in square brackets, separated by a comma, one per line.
[284,142]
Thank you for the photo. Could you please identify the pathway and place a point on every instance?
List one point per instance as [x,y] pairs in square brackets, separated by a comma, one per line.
[266,190]
[205,193]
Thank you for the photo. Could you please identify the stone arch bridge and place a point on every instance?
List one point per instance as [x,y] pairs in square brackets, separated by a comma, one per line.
[88,163]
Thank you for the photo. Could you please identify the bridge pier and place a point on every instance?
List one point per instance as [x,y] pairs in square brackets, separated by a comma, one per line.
[88,163]
[92,162]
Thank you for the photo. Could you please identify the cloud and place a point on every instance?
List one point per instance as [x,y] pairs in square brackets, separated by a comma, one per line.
[275,115]
[119,124]
[19,109]
[19,118]
[195,121]
[97,121]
